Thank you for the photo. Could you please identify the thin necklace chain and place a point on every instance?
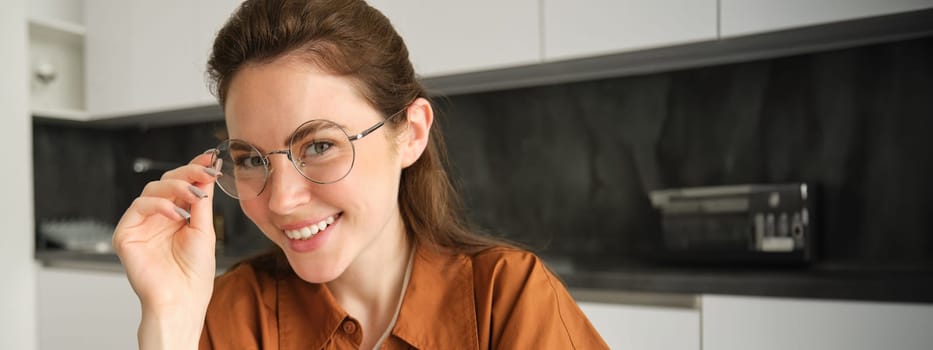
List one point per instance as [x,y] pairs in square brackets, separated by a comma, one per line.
[398,306]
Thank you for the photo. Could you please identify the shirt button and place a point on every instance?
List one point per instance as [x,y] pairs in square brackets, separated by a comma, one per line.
[349,327]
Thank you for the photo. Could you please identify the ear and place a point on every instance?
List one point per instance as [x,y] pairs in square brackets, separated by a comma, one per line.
[414,138]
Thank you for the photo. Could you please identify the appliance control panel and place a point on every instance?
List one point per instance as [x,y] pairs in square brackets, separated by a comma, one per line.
[740,222]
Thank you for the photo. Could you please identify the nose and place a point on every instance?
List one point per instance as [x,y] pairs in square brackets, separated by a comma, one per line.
[287,189]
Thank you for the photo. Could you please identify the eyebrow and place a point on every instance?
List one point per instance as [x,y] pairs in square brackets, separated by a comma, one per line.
[304,132]
[238,147]
[235,146]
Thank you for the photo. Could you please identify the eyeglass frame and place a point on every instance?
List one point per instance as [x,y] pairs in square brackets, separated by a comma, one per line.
[266,164]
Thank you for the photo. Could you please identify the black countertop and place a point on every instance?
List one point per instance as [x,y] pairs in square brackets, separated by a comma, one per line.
[897,286]
[893,285]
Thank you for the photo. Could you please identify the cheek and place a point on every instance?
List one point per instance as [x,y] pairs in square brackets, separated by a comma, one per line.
[380,182]
[377,171]
[254,211]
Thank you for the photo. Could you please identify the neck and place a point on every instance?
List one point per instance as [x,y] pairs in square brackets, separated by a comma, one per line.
[370,288]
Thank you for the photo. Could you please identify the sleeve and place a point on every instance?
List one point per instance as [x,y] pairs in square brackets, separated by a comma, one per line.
[529,308]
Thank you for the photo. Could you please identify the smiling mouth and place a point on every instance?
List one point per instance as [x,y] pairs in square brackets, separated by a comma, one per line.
[312,230]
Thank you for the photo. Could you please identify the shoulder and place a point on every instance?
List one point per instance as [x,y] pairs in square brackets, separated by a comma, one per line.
[523,305]
[503,253]
[506,264]
[506,274]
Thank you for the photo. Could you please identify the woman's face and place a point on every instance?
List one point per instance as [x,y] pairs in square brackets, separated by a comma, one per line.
[265,103]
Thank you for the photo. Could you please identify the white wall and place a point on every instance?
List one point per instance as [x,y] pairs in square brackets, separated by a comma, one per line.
[17,269]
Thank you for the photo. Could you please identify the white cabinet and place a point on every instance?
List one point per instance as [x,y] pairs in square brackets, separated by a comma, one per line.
[645,327]
[741,323]
[147,56]
[743,17]
[449,36]
[580,28]
[86,310]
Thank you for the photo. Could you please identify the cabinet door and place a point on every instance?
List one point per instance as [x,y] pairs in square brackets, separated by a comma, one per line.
[107,57]
[212,15]
[741,323]
[147,56]
[742,17]
[86,310]
[580,28]
[645,327]
[449,36]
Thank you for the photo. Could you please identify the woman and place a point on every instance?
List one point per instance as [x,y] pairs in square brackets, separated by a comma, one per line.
[334,157]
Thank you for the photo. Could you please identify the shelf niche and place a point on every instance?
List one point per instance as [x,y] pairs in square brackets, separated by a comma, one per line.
[56,63]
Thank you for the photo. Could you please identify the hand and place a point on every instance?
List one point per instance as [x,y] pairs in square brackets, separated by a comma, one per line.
[168,258]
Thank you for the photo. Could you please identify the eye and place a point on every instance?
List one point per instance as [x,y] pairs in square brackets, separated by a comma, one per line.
[248,161]
[316,148]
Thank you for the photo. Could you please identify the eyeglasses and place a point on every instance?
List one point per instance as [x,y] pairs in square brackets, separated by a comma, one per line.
[320,150]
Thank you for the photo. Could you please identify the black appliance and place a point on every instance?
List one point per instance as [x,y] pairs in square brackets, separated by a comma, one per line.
[748,223]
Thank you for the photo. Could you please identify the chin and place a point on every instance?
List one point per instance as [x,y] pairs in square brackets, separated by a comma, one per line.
[312,271]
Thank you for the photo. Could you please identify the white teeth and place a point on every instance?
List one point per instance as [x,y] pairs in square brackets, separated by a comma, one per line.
[311,230]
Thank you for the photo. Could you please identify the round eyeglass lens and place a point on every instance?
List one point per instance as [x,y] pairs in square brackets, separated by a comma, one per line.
[243,169]
[321,150]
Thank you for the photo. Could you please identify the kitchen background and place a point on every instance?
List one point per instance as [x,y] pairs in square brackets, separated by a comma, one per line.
[566,168]
[565,165]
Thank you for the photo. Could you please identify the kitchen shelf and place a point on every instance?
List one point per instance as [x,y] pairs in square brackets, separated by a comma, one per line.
[56,48]
[61,114]
[58,30]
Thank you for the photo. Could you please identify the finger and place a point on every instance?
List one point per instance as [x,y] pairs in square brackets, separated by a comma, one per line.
[192,173]
[143,209]
[201,177]
[202,212]
[175,190]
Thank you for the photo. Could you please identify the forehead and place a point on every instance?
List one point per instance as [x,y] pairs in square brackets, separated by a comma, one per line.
[267,101]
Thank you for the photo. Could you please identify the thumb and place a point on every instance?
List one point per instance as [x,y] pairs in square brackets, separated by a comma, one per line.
[202,211]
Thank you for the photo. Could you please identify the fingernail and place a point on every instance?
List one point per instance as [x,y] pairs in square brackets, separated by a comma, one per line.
[210,150]
[197,191]
[183,213]
[212,172]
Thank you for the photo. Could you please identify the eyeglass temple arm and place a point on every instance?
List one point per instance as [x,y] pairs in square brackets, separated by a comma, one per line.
[363,133]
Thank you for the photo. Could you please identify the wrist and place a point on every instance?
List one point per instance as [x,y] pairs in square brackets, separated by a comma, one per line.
[175,327]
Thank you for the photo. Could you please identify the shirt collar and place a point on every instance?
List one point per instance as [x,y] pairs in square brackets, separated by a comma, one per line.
[438,310]
[306,311]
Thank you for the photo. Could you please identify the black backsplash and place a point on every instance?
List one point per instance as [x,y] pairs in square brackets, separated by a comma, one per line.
[566,168]
[87,173]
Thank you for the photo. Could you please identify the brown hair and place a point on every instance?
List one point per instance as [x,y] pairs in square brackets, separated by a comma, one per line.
[350,38]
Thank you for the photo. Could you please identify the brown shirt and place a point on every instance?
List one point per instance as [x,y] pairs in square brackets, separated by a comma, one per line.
[500,298]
